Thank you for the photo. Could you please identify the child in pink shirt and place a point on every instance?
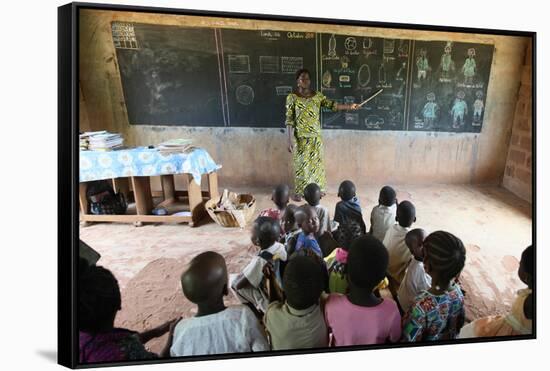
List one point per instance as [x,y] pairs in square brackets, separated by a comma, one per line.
[361,318]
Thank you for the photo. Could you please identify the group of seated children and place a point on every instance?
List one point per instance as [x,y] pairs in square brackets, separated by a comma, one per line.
[313,283]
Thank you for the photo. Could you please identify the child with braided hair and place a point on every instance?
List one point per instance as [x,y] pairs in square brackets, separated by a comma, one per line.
[438,313]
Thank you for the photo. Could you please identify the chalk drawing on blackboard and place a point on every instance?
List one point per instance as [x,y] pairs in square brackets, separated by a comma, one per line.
[374,122]
[469,67]
[327,79]
[292,64]
[422,67]
[384,102]
[429,112]
[351,46]
[239,63]
[124,36]
[389,46]
[283,90]
[478,109]
[403,48]
[368,48]
[459,110]
[401,74]
[382,77]
[351,119]
[332,47]
[446,65]
[363,76]
[269,64]
[244,95]
[396,118]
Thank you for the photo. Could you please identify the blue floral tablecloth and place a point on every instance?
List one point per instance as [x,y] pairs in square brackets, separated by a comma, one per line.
[143,161]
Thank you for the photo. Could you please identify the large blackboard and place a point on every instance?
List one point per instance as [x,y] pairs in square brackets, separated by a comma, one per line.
[354,68]
[449,86]
[260,68]
[240,78]
[170,75]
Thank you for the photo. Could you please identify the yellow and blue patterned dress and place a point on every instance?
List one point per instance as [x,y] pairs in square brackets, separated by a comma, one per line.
[304,114]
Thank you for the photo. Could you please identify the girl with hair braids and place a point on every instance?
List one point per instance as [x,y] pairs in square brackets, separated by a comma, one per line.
[98,303]
[438,313]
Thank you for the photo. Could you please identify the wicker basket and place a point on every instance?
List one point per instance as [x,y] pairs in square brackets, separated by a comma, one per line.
[233,218]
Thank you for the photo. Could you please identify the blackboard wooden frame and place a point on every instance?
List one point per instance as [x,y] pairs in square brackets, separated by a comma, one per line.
[68,124]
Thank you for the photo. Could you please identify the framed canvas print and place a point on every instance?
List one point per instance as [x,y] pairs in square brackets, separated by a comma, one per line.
[244,185]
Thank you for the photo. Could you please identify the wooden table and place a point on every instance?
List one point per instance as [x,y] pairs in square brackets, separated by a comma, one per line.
[143,197]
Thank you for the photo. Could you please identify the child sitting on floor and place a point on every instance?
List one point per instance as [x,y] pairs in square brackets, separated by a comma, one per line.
[438,314]
[348,209]
[312,194]
[337,261]
[249,285]
[308,221]
[416,279]
[298,322]
[395,243]
[290,228]
[360,317]
[520,319]
[382,216]
[98,303]
[215,329]
[280,197]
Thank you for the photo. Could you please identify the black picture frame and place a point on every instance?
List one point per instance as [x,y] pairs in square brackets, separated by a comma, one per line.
[68,185]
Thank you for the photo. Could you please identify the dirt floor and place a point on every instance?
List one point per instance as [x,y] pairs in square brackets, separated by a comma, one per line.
[494,225]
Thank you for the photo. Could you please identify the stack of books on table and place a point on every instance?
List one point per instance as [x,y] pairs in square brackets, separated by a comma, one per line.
[175,146]
[105,141]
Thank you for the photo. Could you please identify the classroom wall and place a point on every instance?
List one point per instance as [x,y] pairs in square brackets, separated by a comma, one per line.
[259,156]
[519,167]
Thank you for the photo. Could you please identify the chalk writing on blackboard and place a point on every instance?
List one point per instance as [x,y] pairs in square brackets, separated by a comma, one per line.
[239,64]
[269,64]
[283,90]
[244,95]
[124,35]
[291,64]
[351,119]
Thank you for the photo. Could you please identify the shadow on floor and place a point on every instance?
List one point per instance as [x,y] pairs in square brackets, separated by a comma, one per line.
[50,355]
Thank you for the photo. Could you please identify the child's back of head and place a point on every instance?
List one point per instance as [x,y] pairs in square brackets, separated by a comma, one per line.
[98,298]
[444,256]
[346,191]
[312,194]
[367,263]
[526,266]
[406,214]
[303,282]
[280,196]
[267,231]
[205,279]
[387,196]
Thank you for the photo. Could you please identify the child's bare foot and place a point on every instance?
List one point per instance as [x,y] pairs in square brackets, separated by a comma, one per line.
[297,197]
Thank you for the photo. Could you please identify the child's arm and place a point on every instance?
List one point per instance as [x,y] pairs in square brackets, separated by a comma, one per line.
[165,353]
[145,336]
[241,282]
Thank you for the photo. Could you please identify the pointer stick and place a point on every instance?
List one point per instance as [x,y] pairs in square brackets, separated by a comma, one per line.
[372,96]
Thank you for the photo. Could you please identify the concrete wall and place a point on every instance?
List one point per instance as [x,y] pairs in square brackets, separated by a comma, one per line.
[259,156]
[519,166]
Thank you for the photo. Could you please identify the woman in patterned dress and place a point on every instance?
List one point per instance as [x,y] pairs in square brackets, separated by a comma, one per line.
[303,112]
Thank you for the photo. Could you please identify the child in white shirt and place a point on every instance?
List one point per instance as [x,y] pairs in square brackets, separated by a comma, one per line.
[382,216]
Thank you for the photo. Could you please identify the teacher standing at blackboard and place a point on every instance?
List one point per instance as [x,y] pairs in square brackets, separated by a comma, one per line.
[303,113]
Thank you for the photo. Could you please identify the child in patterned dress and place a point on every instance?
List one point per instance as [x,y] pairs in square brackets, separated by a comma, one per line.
[438,313]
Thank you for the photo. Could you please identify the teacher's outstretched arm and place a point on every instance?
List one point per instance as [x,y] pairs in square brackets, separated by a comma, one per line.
[342,107]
